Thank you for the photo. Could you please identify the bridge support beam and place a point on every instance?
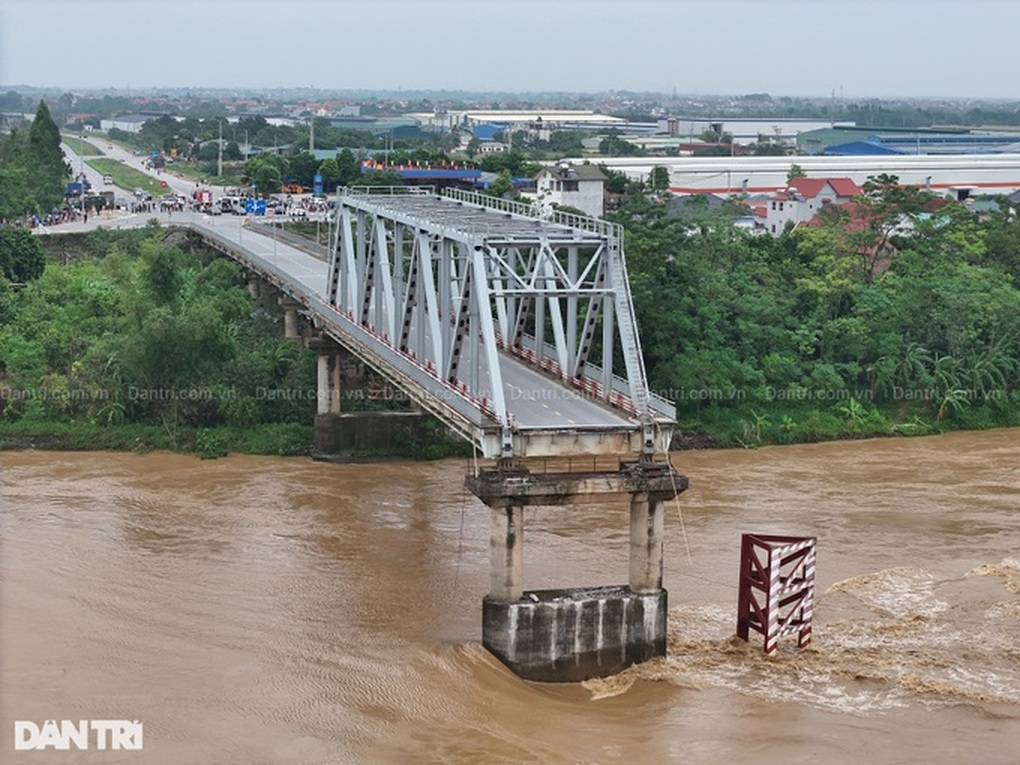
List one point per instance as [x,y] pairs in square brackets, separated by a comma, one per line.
[575,634]
[506,553]
[290,317]
[646,529]
[328,393]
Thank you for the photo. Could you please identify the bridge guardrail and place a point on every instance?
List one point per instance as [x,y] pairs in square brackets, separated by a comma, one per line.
[591,380]
[404,369]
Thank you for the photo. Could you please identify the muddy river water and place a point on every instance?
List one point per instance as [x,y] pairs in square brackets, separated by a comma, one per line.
[270,610]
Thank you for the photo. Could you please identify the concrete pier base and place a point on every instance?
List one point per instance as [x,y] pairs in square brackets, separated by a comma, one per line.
[367,431]
[576,634]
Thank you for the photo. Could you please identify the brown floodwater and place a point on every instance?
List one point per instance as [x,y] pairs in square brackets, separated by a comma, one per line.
[271,610]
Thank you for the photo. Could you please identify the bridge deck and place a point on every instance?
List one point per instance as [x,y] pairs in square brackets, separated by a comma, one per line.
[536,401]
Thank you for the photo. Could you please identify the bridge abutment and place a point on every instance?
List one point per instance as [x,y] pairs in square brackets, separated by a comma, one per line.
[575,634]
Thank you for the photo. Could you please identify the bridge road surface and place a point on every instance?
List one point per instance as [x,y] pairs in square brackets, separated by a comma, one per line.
[536,401]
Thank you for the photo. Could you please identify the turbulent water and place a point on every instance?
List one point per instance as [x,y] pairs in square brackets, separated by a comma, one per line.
[261,610]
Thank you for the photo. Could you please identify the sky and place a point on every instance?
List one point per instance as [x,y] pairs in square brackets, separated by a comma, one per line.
[857,49]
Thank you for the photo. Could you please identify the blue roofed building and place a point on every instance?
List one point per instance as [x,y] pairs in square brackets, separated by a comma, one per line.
[488,131]
[860,149]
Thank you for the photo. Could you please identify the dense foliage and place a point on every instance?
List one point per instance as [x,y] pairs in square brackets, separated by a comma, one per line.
[149,334]
[32,168]
[900,321]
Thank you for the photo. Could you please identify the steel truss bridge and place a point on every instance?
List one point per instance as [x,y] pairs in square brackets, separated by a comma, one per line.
[513,326]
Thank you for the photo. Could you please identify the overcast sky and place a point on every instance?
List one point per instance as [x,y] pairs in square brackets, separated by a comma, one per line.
[923,48]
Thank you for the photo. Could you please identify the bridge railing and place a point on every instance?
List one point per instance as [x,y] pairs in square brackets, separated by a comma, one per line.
[382,191]
[451,404]
[571,220]
[591,379]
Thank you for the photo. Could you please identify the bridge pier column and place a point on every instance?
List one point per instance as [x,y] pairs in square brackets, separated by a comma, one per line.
[328,394]
[646,530]
[290,317]
[254,287]
[577,633]
[506,553]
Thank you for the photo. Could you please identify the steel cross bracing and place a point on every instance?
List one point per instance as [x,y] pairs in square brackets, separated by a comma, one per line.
[496,312]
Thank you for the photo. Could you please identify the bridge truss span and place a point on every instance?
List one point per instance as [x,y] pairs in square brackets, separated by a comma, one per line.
[526,318]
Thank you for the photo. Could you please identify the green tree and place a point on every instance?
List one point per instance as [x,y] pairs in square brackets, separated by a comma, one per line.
[21,256]
[348,168]
[796,171]
[303,167]
[267,171]
[659,180]
[32,168]
[503,186]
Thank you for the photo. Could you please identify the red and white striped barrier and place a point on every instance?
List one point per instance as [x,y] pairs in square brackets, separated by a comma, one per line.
[776,590]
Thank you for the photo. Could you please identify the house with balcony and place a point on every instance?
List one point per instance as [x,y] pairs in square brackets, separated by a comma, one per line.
[567,185]
[804,198]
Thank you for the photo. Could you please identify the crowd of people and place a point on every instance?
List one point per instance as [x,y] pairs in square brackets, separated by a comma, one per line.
[67,214]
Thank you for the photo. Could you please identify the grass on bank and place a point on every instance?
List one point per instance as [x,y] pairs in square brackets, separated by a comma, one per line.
[80,147]
[276,440]
[280,439]
[201,173]
[750,426]
[127,178]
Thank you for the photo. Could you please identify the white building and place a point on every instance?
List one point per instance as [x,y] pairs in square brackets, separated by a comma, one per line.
[954,176]
[745,130]
[129,123]
[565,185]
[803,199]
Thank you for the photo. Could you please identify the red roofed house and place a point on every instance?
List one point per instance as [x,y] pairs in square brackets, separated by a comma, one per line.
[803,198]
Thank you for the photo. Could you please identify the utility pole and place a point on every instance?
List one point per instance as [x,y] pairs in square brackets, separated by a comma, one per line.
[311,133]
[219,153]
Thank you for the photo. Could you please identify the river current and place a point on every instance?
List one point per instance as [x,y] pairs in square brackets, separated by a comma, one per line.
[272,610]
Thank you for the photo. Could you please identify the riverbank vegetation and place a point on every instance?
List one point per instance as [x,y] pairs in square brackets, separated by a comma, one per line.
[139,343]
[901,317]
[897,315]
[133,340]
[136,340]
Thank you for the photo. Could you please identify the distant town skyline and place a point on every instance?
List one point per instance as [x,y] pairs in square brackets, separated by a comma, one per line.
[807,48]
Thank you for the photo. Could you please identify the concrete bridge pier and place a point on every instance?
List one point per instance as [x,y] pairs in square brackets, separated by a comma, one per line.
[328,389]
[575,634]
[646,530]
[506,553]
[290,317]
[254,286]
[338,434]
